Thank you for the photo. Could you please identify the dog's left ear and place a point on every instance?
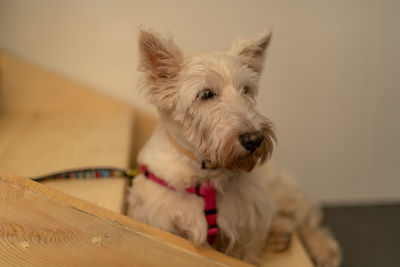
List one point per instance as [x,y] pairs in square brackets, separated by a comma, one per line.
[252,51]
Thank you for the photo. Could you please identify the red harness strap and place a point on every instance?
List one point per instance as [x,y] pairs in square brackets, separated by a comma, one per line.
[206,191]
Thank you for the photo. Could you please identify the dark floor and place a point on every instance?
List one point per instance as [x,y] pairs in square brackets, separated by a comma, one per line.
[368,235]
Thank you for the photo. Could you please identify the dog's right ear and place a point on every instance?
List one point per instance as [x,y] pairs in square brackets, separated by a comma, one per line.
[159,56]
[160,62]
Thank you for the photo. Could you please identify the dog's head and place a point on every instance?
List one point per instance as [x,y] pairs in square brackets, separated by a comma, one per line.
[210,98]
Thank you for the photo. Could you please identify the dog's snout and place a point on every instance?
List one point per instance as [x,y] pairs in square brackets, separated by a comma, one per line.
[251,140]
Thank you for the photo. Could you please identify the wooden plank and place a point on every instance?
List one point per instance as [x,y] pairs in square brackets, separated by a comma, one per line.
[40,226]
[109,193]
[294,256]
[37,144]
[49,124]
[34,146]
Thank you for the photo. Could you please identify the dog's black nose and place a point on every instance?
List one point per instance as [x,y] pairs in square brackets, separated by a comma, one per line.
[251,140]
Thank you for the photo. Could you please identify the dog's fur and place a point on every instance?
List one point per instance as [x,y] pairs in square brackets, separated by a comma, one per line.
[253,207]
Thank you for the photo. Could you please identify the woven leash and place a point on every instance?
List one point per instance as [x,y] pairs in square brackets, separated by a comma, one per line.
[89,173]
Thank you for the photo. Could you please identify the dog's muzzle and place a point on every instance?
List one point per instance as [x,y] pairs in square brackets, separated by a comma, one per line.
[251,140]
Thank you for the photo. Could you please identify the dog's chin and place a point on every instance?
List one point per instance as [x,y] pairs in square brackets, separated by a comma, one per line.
[231,155]
[245,162]
[236,158]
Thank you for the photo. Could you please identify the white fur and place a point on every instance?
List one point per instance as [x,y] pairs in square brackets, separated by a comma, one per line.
[251,206]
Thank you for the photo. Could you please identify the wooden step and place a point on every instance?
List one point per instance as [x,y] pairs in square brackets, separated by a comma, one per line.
[41,226]
[49,124]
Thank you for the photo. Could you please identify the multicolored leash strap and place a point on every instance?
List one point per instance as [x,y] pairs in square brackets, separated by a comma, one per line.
[89,173]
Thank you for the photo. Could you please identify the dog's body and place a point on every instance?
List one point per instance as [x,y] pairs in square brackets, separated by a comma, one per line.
[206,106]
[244,210]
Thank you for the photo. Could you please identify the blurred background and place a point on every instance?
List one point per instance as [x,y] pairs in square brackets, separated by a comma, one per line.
[331,82]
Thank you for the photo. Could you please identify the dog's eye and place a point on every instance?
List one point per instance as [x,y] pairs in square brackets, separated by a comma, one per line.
[206,94]
[246,89]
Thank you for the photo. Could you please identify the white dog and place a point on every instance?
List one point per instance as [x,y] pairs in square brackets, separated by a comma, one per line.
[197,178]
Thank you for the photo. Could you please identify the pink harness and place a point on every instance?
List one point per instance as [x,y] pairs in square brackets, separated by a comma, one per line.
[206,191]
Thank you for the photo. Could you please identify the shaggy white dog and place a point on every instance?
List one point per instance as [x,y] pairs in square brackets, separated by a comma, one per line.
[210,141]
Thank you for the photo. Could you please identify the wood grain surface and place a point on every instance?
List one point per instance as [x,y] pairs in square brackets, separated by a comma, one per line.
[40,226]
[49,124]
[109,193]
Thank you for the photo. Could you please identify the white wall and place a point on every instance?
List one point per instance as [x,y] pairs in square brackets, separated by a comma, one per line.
[331,82]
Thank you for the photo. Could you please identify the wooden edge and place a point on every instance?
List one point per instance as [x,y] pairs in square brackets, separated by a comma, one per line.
[296,255]
[138,227]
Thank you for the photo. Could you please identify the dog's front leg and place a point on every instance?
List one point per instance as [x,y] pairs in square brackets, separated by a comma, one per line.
[191,228]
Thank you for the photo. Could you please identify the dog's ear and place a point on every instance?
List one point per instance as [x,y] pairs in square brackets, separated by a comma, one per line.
[160,63]
[159,56]
[252,51]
